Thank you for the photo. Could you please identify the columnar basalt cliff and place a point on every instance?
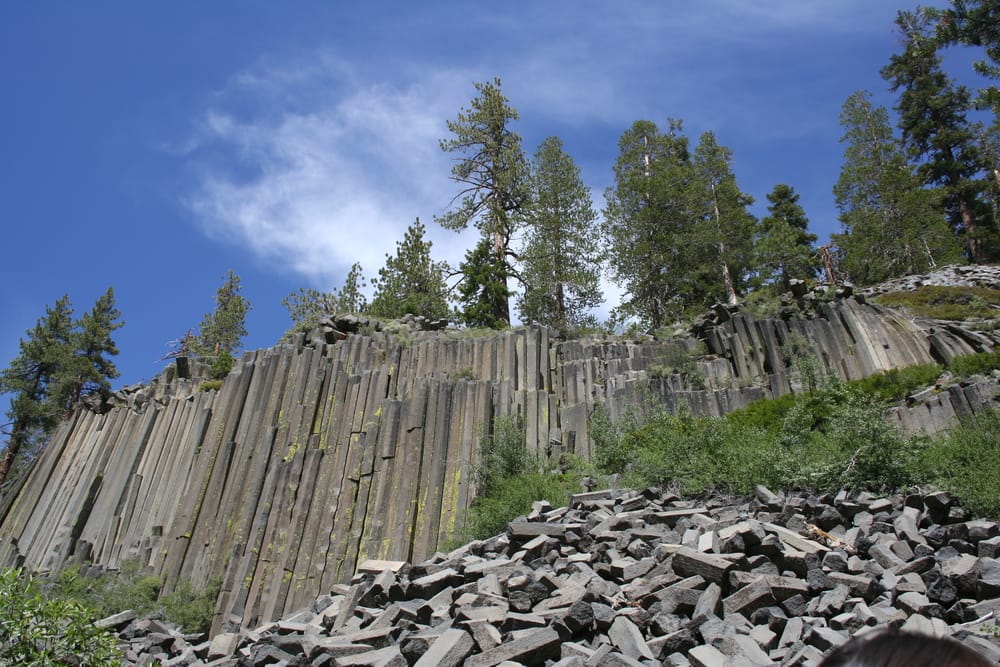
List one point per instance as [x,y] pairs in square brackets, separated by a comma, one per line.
[338,447]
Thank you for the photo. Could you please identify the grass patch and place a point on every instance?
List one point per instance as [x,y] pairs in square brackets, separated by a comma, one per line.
[133,588]
[945,303]
[210,385]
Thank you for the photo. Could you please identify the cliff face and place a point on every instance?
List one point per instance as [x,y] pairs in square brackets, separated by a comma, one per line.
[321,453]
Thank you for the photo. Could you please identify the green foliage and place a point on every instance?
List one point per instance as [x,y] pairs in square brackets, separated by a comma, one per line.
[410,282]
[59,361]
[509,481]
[945,302]
[827,440]
[973,23]
[892,225]
[612,450]
[502,454]
[36,630]
[784,245]
[493,175]
[724,226]
[221,365]
[975,364]
[560,266]
[492,512]
[191,607]
[802,362]
[896,384]
[132,587]
[937,134]
[306,306]
[645,223]
[678,229]
[351,298]
[483,291]
[91,369]
[966,462]
[222,330]
[210,385]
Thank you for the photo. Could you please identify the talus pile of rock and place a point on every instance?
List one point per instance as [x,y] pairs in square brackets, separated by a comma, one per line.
[629,578]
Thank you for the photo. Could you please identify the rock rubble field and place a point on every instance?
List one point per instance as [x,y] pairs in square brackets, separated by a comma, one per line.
[642,578]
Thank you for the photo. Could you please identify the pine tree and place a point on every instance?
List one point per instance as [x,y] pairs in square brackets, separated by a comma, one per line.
[351,297]
[784,245]
[91,369]
[560,266]
[725,227]
[411,281]
[936,133]
[492,172]
[892,225]
[481,292]
[645,222]
[222,331]
[307,306]
[973,23]
[34,378]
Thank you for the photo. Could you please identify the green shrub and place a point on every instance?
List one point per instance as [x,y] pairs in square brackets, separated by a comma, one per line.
[612,453]
[210,385]
[491,513]
[896,384]
[222,365]
[966,463]
[870,452]
[132,587]
[35,630]
[502,455]
[974,364]
[190,607]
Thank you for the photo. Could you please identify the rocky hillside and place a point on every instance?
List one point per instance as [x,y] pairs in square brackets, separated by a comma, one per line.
[355,442]
[626,578]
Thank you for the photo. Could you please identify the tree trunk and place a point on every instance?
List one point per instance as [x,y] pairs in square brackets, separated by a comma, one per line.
[727,278]
[969,223]
[10,454]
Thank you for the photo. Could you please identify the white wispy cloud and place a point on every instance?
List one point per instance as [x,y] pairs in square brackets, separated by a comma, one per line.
[316,161]
[315,187]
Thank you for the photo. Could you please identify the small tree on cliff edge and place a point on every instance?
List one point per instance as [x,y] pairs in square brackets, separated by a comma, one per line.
[493,173]
[32,377]
[222,331]
[411,281]
[59,361]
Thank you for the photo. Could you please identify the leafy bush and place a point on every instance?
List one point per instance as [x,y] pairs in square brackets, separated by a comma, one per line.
[191,608]
[945,303]
[132,587]
[491,513]
[210,385]
[896,384]
[966,463]
[503,455]
[973,364]
[222,365]
[39,631]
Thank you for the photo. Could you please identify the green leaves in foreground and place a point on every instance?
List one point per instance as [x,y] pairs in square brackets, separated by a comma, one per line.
[39,631]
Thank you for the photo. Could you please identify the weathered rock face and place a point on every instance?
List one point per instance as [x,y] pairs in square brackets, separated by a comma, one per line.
[335,448]
[627,578]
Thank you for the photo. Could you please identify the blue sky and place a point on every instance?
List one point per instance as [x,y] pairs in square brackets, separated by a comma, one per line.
[152,147]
